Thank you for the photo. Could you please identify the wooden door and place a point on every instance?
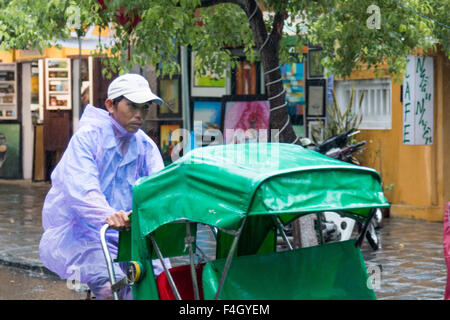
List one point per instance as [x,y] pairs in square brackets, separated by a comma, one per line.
[100,83]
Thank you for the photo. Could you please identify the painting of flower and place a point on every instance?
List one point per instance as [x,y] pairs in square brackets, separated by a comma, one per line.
[245,120]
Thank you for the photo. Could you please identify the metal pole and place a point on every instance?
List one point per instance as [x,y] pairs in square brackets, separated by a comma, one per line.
[229,258]
[166,271]
[112,276]
[319,227]
[283,234]
[189,241]
[364,230]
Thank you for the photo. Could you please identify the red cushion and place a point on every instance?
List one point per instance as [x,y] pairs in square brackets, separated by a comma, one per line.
[181,275]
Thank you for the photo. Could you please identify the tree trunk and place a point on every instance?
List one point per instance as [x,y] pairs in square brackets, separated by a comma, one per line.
[268,45]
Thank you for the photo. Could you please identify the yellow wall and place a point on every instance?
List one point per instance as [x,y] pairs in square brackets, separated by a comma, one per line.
[7,56]
[419,174]
[51,53]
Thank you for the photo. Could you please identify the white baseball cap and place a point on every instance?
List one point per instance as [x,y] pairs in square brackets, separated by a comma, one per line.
[134,87]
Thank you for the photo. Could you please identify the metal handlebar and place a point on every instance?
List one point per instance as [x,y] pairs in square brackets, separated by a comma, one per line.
[109,263]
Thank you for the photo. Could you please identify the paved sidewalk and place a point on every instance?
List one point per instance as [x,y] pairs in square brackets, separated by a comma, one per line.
[411,256]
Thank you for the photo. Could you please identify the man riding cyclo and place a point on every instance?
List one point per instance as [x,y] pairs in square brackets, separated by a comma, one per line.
[92,185]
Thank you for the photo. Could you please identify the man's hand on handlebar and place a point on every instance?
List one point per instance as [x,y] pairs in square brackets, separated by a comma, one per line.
[119,221]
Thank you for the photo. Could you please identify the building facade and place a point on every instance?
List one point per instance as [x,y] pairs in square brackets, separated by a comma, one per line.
[414,167]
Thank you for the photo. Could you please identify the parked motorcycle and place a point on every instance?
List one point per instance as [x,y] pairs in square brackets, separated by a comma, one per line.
[334,227]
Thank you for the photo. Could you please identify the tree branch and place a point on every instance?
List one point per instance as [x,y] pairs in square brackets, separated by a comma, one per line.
[278,23]
[256,22]
[277,28]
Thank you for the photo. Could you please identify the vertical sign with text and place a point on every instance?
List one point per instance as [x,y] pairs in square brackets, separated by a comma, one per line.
[418,101]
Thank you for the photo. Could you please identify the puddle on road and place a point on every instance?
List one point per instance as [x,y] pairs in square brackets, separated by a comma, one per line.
[413,265]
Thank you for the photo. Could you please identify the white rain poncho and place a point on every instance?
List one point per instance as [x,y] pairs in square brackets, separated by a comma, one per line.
[91,182]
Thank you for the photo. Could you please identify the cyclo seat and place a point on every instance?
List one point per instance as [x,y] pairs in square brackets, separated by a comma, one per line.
[181,275]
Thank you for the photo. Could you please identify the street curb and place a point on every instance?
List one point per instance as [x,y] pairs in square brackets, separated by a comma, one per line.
[37,269]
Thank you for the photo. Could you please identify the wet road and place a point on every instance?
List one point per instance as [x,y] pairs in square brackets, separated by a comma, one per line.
[20,221]
[412,260]
[18,284]
[411,253]
[411,257]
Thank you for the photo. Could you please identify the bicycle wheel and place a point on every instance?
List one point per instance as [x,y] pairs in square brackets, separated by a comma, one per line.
[372,237]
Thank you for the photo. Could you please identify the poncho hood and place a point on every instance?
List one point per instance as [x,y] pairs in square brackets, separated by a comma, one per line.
[94,116]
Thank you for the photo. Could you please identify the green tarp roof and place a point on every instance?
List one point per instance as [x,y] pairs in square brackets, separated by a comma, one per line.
[220,185]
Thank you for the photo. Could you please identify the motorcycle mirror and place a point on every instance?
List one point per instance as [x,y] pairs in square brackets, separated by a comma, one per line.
[353,133]
[306,142]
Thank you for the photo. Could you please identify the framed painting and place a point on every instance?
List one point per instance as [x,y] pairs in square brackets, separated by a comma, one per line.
[8,91]
[206,120]
[169,90]
[206,85]
[245,78]
[58,74]
[315,97]
[245,118]
[58,101]
[58,64]
[8,74]
[315,68]
[10,155]
[58,84]
[293,80]
[169,137]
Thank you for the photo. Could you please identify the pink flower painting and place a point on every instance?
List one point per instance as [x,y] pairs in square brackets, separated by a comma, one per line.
[243,116]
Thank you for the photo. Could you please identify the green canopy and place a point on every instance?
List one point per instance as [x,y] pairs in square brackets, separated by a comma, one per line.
[220,185]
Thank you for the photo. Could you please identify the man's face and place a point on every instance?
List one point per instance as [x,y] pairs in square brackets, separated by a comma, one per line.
[129,115]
